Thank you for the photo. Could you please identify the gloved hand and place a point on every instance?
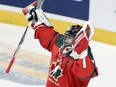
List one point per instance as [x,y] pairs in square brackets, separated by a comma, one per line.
[31,15]
[36,16]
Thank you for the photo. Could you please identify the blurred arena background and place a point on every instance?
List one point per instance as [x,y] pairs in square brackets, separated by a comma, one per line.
[32,63]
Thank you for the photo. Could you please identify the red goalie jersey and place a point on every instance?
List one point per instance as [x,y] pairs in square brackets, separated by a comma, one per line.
[65,71]
[72,63]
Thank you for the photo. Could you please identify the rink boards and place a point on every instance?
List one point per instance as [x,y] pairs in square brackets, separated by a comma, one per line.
[60,24]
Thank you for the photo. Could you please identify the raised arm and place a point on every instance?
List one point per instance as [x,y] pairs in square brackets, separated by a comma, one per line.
[44,31]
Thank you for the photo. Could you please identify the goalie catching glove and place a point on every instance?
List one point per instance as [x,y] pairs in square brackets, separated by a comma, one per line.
[78,38]
[36,16]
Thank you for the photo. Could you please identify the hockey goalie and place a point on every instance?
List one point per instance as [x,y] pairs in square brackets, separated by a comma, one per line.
[72,63]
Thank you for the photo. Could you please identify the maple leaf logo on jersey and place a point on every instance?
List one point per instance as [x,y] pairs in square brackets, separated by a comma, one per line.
[56,72]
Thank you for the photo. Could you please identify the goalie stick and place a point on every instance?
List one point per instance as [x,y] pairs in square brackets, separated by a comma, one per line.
[38,5]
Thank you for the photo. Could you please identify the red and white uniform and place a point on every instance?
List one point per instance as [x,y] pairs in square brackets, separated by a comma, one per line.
[64,71]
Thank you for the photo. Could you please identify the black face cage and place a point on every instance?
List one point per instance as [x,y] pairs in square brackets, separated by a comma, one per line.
[72,31]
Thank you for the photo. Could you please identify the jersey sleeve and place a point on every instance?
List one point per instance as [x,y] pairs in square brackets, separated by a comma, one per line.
[88,72]
[46,36]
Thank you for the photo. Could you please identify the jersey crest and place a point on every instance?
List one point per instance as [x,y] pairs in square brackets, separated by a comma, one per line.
[56,71]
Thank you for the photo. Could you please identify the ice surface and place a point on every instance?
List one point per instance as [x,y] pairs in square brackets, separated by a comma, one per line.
[6,83]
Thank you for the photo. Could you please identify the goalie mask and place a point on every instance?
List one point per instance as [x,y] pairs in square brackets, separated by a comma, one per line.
[69,37]
[76,40]
[70,34]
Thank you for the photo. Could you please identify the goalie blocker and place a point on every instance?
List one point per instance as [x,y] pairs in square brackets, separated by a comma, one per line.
[72,64]
[37,16]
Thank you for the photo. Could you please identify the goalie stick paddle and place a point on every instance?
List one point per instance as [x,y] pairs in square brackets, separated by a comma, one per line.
[38,5]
